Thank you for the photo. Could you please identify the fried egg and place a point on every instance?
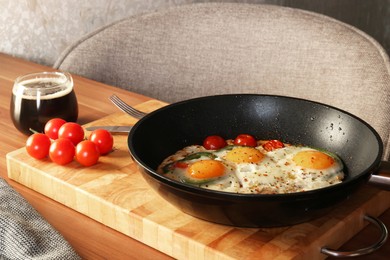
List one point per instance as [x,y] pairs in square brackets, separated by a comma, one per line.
[253,170]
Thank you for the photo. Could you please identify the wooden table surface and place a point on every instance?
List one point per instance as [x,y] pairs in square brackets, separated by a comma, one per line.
[91,239]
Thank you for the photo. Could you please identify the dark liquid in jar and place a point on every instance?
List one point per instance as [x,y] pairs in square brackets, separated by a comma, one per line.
[27,112]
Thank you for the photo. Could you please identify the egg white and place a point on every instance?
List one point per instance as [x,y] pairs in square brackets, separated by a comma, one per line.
[275,173]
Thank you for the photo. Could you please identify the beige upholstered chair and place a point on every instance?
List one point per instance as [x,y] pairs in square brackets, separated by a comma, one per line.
[205,49]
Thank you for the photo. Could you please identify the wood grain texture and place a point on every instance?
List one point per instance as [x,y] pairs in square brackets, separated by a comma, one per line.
[90,239]
[114,193]
[94,240]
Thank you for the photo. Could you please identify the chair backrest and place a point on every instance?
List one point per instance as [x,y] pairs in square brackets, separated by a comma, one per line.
[206,49]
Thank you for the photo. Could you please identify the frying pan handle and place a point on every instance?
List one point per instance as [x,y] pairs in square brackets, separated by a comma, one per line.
[362,251]
[382,181]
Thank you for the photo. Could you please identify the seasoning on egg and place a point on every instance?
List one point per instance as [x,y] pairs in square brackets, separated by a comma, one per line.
[247,169]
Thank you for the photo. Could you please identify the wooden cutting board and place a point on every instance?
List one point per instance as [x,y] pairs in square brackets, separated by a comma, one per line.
[114,193]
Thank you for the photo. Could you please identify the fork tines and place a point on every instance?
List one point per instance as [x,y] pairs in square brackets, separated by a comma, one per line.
[126,108]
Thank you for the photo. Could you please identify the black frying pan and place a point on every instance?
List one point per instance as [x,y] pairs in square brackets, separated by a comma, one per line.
[163,132]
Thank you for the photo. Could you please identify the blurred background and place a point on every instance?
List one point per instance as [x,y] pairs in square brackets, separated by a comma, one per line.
[39,30]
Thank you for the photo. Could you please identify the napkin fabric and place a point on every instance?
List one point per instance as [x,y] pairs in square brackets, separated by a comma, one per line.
[25,234]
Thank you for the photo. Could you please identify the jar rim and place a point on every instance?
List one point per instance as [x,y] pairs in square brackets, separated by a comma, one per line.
[65,76]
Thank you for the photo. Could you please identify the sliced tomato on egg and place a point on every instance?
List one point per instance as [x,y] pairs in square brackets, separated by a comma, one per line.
[180,164]
[214,142]
[272,145]
[245,140]
[171,166]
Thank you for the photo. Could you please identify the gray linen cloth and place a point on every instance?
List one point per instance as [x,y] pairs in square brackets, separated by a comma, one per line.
[25,234]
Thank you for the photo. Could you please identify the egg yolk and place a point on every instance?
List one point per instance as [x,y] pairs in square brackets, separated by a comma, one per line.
[244,155]
[313,160]
[206,169]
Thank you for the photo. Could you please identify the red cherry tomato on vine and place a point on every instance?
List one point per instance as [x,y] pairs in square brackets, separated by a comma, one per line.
[52,127]
[245,140]
[38,145]
[87,153]
[214,142]
[103,140]
[71,131]
[272,145]
[62,151]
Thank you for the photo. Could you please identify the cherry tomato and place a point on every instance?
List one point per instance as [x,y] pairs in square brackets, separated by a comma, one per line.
[272,145]
[52,127]
[87,153]
[214,142]
[245,140]
[181,165]
[62,151]
[38,145]
[71,131]
[103,140]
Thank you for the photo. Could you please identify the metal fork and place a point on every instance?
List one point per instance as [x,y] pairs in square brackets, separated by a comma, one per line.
[126,108]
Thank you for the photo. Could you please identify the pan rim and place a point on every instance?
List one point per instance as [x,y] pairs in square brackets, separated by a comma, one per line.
[247,196]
